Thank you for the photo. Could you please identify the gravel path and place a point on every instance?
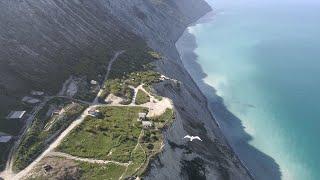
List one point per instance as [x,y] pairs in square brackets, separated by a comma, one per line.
[89,160]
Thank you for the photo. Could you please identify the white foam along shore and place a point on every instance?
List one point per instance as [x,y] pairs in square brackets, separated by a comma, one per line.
[187,45]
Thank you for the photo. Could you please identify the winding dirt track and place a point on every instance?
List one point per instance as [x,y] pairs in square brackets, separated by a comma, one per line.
[89,160]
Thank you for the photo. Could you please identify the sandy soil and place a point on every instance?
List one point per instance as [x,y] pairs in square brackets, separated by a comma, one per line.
[114,100]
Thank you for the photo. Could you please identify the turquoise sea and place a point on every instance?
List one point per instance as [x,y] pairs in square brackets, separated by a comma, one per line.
[263,58]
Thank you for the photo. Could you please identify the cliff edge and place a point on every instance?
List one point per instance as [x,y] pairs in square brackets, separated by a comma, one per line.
[44,42]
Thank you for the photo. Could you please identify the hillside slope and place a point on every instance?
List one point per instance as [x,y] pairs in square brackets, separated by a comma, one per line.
[44,41]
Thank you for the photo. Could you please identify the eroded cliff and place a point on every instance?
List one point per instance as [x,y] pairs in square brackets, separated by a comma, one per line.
[44,41]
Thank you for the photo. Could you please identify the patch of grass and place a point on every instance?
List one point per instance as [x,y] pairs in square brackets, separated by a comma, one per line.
[86,91]
[98,171]
[94,138]
[114,137]
[37,138]
[149,89]
[142,97]
[166,118]
[120,89]
[146,77]
[139,159]
[155,54]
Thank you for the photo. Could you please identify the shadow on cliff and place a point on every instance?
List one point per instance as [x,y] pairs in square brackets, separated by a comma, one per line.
[262,166]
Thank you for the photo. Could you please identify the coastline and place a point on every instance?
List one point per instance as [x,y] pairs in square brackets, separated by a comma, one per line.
[193,68]
[253,160]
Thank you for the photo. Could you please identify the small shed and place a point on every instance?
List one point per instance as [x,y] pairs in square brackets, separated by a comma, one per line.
[58,111]
[94,113]
[147,124]
[16,115]
[5,139]
[93,82]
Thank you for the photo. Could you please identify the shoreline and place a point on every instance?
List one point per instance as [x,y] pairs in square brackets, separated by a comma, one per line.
[202,20]
[257,164]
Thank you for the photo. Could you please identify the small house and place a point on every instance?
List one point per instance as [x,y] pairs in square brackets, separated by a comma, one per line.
[16,114]
[147,124]
[93,82]
[5,138]
[58,111]
[94,113]
[142,116]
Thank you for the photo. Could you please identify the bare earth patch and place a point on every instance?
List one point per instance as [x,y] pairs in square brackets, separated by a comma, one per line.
[60,168]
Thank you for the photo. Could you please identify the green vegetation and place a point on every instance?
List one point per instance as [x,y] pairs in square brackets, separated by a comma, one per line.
[151,91]
[139,158]
[43,130]
[146,77]
[118,88]
[98,171]
[95,138]
[164,120]
[155,54]
[118,136]
[10,126]
[86,91]
[134,67]
[142,97]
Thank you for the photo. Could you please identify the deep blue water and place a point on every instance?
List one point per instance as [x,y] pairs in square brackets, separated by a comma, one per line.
[263,58]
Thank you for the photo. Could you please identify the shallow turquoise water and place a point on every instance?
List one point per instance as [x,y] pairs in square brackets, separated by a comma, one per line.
[264,60]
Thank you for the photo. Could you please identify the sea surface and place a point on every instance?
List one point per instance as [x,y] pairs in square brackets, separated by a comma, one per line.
[263,59]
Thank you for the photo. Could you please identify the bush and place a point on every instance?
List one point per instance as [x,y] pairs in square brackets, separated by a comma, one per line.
[142,97]
[150,146]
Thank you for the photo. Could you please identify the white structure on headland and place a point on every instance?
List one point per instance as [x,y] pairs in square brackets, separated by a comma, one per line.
[16,114]
[142,116]
[147,124]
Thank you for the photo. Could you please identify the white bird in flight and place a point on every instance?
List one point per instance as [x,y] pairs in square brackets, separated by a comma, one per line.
[192,137]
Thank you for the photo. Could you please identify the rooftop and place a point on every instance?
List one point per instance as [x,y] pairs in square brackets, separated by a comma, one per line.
[93,82]
[147,123]
[16,114]
[142,115]
[5,139]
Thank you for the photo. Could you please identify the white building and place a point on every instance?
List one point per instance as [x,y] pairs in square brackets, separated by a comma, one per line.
[5,139]
[16,114]
[93,82]
[142,116]
[147,124]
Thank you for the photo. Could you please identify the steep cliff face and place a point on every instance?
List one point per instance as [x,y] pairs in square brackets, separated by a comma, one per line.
[44,41]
